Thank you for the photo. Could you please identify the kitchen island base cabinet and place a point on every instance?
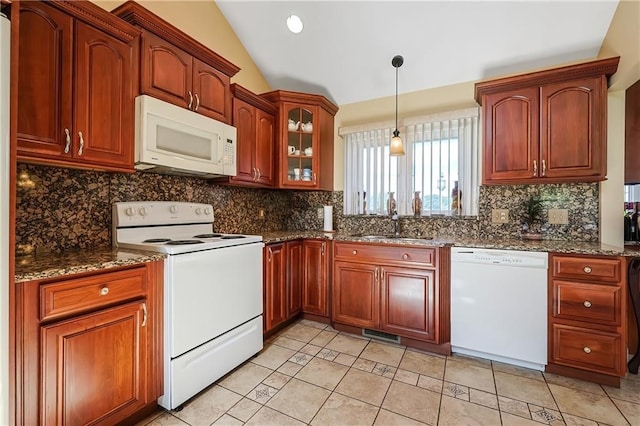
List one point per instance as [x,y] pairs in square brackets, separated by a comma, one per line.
[89,347]
[400,290]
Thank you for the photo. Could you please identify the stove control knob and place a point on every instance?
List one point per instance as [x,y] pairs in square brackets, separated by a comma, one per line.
[207,211]
[143,211]
[198,211]
[173,209]
[130,211]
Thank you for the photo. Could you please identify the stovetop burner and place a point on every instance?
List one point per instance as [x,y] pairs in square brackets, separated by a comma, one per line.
[183,242]
[207,236]
[156,240]
[231,237]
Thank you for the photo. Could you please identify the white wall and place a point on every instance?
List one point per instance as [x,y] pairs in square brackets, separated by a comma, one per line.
[612,189]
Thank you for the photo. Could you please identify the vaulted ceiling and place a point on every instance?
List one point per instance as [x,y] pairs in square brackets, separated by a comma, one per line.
[344,51]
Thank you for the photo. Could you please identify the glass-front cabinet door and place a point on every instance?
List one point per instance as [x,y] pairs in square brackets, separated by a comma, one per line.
[301,155]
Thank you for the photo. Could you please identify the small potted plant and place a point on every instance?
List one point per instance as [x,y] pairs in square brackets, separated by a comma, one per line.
[532,218]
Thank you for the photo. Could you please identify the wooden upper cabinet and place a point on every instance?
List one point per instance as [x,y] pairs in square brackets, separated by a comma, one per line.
[211,91]
[546,126]
[254,118]
[104,108]
[511,134]
[244,119]
[632,134]
[79,110]
[45,103]
[312,144]
[573,128]
[177,68]
[166,71]
[265,146]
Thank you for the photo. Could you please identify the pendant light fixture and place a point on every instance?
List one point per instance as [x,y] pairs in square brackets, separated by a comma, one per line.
[396,147]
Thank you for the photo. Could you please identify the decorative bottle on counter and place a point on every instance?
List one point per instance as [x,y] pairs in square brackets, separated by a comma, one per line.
[391,204]
[364,202]
[417,204]
[456,198]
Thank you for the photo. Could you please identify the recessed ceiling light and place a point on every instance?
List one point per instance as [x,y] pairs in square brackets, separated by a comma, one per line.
[294,24]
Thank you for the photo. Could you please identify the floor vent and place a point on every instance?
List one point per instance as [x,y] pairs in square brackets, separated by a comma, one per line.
[379,335]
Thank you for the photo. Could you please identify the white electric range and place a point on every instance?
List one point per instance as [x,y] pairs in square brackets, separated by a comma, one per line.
[212,291]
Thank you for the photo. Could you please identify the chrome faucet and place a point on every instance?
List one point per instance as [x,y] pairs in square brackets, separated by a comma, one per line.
[396,228]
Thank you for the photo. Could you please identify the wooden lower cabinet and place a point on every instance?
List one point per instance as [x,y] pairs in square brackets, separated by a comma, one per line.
[315,277]
[282,291]
[407,302]
[294,277]
[275,285]
[356,294]
[587,317]
[89,348]
[94,366]
[395,289]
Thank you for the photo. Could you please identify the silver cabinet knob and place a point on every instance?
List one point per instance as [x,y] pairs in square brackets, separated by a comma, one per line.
[587,270]
[405,256]
[586,304]
[587,350]
[354,252]
[104,291]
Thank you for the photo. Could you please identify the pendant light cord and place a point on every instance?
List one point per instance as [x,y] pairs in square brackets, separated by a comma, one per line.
[396,98]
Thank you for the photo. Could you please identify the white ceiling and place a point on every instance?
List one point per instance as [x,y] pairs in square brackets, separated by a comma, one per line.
[345,49]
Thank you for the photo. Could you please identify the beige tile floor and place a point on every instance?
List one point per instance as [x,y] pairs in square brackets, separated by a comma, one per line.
[312,374]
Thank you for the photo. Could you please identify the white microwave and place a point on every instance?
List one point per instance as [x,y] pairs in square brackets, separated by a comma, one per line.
[174,140]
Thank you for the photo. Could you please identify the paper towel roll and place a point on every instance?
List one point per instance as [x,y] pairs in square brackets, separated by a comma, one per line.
[328,218]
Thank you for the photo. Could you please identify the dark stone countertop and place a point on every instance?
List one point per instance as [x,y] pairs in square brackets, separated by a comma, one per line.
[570,247]
[54,265]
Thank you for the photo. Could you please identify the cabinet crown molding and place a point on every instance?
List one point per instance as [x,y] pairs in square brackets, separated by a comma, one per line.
[137,15]
[98,17]
[249,97]
[596,68]
[299,97]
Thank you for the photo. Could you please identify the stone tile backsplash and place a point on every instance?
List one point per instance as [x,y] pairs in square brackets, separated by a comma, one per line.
[60,209]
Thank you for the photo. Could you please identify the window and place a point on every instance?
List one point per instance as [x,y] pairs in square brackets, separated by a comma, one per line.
[440,166]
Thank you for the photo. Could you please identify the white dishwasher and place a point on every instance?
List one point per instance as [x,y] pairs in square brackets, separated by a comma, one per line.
[499,305]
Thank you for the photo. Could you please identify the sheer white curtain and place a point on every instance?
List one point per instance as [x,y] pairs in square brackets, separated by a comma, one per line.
[441,162]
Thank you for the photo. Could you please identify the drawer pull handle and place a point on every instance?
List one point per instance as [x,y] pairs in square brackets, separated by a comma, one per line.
[354,252]
[587,304]
[587,270]
[405,256]
[587,350]
[104,291]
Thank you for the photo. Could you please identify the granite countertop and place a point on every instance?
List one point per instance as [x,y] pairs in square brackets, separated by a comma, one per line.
[52,265]
[575,247]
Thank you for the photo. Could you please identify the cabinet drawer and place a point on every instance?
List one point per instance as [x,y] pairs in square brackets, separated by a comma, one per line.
[587,302]
[586,349]
[83,294]
[587,268]
[381,253]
